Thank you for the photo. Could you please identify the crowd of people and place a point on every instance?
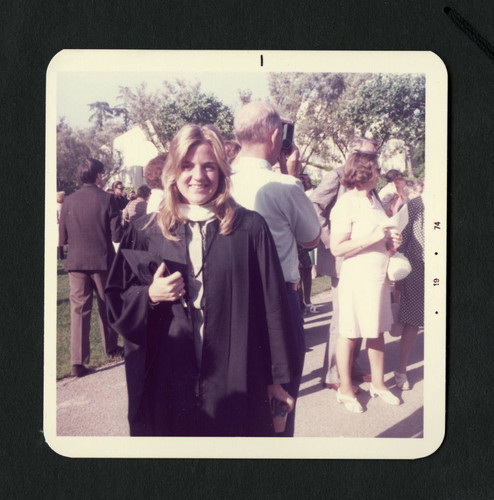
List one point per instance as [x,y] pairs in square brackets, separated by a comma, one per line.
[213,274]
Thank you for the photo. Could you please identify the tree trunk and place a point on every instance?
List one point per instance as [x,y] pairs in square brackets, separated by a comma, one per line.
[409,163]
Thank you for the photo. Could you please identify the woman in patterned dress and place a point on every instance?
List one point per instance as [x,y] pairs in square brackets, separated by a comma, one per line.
[412,287]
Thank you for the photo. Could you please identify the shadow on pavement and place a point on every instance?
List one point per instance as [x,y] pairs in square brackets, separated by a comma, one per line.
[410,427]
[110,366]
[316,374]
[393,351]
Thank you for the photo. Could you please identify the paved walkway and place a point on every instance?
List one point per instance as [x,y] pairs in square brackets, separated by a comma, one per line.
[96,405]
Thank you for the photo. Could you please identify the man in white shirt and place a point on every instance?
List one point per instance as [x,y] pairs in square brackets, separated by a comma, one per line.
[280,199]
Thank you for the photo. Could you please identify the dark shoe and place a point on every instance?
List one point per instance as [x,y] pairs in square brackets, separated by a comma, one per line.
[117,353]
[79,371]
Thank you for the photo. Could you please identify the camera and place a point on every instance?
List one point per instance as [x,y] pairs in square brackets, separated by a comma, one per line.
[279,409]
[288,131]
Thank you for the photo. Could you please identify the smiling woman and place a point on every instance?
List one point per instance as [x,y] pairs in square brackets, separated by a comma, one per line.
[204,313]
[196,173]
[198,181]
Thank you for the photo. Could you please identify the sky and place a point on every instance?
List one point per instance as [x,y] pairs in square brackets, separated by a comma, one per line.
[75,90]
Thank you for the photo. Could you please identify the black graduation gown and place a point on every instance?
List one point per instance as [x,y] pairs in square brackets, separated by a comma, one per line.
[248,339]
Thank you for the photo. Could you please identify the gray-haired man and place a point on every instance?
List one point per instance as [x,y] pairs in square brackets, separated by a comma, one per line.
[281,200]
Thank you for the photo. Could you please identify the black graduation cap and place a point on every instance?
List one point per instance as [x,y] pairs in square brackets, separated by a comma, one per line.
[144,264]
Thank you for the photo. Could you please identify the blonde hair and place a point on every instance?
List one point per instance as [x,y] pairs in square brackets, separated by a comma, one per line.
[223,205]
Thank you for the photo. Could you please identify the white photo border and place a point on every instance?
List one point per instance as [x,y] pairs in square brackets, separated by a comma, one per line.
[435,198]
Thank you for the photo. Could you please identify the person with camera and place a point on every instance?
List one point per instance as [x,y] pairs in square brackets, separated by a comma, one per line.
[280,199]
[289,163]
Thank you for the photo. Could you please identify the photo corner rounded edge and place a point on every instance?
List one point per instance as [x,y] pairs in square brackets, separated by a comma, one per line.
[54,442]
[433,444]
[438,64]
[57,61]
[58,444]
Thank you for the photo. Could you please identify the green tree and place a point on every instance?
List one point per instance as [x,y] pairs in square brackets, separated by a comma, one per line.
[124,113]
[390,106]
[329,109]
[100,144]
[71,148]
[75,145]
[188,105]
[101,112]
[163,112]
[339,128]
[311,101]
[141,108]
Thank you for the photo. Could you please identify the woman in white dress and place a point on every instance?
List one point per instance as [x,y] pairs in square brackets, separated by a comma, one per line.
[361,235]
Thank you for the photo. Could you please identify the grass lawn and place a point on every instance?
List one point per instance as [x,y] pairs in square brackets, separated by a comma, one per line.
[320,284]
[98,357]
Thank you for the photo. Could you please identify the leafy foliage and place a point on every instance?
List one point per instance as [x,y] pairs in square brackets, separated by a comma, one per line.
[331,108]
[141,108]
[71,148]
[75,145]
[389,106]
[327,108]
[317,102]
[187,104]
[101,112]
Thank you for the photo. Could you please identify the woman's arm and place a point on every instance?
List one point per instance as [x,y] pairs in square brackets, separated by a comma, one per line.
[342,246]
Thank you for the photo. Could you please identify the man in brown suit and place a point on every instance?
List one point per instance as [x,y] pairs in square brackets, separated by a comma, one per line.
[89,221]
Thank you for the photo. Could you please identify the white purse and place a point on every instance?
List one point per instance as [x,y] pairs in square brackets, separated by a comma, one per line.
[398,267]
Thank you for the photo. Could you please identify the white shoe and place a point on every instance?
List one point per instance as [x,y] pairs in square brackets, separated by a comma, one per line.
[351,404]
[312,308]
[402,381]
[385,395]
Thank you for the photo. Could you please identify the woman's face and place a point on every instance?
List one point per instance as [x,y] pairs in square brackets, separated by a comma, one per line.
[200,174]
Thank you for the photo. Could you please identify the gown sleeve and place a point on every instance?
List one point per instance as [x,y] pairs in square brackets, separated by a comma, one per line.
[127,300]
[281,335]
